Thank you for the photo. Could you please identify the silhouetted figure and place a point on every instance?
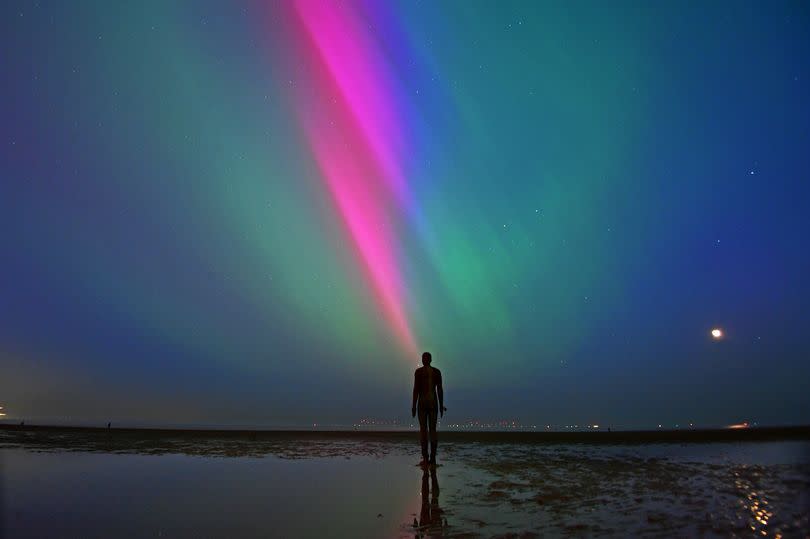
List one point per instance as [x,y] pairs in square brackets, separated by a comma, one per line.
[430,522]
[428,399]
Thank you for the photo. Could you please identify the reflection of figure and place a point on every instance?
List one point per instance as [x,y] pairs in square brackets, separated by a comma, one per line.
[430,522]
[428,391]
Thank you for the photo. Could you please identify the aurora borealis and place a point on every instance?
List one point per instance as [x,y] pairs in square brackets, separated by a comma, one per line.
[262,212]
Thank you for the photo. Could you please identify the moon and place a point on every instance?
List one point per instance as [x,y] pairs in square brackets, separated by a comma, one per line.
[717,333]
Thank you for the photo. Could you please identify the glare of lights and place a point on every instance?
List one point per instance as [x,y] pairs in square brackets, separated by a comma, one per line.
[717,333]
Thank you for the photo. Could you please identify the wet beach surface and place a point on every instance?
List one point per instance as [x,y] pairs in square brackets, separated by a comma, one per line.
[98,483]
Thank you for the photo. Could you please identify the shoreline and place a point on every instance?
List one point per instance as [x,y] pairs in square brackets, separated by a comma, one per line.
[753,434]
[367,483]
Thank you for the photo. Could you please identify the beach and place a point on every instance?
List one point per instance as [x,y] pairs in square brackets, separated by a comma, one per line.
[170,483]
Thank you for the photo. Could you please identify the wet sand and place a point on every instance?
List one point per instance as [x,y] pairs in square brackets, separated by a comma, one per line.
[753,482]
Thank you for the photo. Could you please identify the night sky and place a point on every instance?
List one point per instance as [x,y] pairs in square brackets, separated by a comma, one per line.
[262,212]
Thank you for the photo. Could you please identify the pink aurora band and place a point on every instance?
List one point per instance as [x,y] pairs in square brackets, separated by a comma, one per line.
[356,134]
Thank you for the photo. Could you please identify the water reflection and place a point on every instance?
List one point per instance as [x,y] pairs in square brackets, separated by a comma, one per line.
[431,522]
[299,489]
[181,496]
[753,500]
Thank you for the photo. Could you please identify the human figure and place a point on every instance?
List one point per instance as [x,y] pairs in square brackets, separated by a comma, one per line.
[430,516]
[428,393]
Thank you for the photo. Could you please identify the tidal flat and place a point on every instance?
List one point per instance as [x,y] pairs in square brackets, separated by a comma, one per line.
[131,483]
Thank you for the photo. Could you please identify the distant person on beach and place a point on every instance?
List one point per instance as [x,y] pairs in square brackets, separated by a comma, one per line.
[428,400]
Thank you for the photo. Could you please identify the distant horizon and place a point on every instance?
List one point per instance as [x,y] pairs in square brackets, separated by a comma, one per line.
[57,422]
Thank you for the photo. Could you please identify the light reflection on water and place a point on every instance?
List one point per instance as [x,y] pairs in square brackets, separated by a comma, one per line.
[353,489]
[754,501]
